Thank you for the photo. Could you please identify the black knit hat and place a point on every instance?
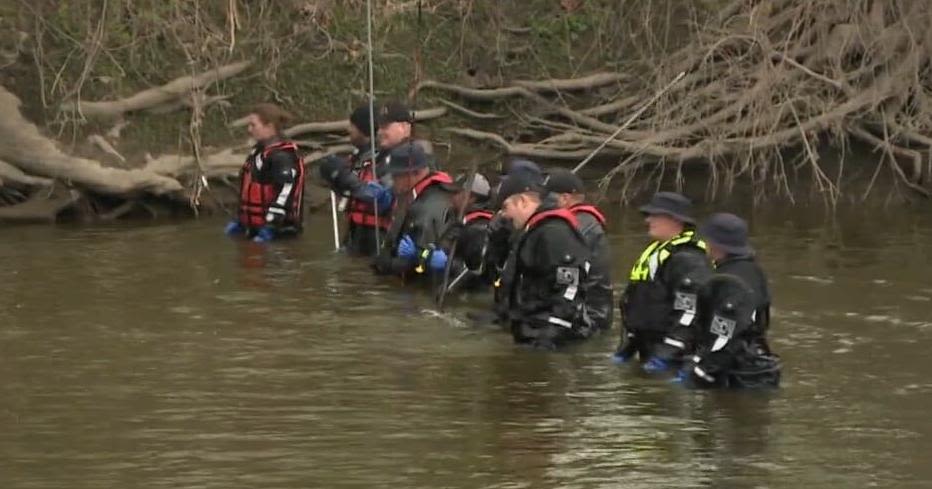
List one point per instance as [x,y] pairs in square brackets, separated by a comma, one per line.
[361,117]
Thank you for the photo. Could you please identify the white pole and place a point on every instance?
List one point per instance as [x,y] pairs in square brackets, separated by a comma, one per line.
[336,224]
[628,122]
[372,115]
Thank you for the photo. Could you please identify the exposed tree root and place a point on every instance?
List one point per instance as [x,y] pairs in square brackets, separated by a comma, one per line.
[154,97]
[23,146]
[41,206]
[13,176]
[762,77]
[340,126]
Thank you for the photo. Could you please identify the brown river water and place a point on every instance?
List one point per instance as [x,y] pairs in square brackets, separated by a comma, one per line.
[165,355]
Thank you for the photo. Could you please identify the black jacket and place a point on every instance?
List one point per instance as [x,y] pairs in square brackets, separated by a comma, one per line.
[545,282]
[501,236]
[658,306]
[600,290]
[650,305]
[426,220]
[734,316]
[472,242]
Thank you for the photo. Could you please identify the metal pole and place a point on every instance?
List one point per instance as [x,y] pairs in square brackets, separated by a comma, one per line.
[630,120]
[336,224]
[372,115]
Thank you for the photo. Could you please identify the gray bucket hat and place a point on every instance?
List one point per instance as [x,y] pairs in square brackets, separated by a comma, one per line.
[728,232]
[671,204]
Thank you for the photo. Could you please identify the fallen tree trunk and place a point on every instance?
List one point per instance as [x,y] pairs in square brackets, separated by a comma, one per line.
[225,162]
[41,207]
[13,176]
[526,150]
[340,126]
[23,146]
[154,97]
[588,82]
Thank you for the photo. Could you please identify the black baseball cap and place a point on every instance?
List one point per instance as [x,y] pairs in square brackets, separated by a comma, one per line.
[564,181]
[394,111]
[520,164]
[407,157]
[518,183]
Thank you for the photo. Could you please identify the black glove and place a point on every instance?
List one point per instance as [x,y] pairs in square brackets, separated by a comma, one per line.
[453,232]
[382,264]
[500,231]
[331,167]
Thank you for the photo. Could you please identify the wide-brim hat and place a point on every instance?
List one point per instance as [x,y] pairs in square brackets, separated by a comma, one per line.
[670,204]
[727,232]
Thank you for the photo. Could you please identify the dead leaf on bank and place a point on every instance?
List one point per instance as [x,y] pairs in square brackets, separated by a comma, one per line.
[570,6]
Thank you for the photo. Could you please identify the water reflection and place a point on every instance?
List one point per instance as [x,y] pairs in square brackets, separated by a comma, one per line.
[166,356]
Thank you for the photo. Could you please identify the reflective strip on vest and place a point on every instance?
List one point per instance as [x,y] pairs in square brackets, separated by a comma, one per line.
[258,201]
[645,268]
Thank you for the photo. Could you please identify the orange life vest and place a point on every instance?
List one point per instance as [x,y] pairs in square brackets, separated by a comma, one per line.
[257,197]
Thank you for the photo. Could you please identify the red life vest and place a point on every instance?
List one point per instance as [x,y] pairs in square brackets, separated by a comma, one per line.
[434,178]
[592,210]
[364,213]
[474,215]
[564,214]
[256,197]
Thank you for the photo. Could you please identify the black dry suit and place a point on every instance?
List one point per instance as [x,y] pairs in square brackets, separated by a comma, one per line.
[661,297]
[731,331]
[425,218]
[501,236]
[469,270]
[365,218]
[545,280]
[272,188]
[599,295]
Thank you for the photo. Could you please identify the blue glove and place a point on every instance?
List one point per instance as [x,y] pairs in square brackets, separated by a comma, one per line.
[233,227]
[406,248]
[438,260]
[655,365]
[380,195]
[682,375]
[264,235]
[621,358]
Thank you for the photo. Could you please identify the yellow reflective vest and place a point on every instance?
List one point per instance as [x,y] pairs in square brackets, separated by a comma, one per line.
[645,268]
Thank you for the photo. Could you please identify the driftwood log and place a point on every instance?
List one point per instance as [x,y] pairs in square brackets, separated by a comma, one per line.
[166,94]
